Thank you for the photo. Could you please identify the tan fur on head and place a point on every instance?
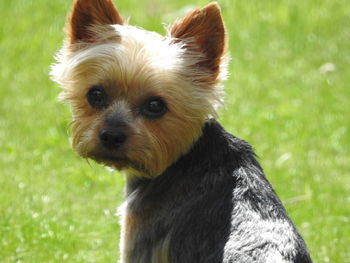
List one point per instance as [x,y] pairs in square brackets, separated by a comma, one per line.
[132,65]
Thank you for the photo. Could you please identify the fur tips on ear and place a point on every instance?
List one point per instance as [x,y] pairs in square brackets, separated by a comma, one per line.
[86,13]
[203,29]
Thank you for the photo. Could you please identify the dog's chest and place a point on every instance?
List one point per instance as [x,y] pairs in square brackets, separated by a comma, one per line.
[144,238]
[183,223]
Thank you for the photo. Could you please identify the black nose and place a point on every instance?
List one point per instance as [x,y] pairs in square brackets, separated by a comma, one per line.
[112,139]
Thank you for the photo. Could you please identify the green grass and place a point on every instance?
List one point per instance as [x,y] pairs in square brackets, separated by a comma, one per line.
[56,207]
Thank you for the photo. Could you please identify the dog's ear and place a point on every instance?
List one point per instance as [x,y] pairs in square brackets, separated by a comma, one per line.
[203,29]
[87,13]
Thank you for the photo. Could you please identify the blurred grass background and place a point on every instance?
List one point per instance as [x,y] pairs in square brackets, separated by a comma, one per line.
[288,94]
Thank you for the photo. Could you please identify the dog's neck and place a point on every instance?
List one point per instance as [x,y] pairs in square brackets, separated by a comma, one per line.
[213,150]
[157,209]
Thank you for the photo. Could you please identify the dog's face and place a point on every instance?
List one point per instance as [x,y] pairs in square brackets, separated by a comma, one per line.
[139,100]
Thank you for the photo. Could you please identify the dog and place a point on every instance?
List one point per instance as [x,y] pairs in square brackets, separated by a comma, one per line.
[146,104]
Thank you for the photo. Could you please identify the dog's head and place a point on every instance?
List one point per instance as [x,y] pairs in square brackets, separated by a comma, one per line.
[139,100]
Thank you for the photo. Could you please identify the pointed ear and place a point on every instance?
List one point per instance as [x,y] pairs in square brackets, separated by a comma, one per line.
[86,13]
[203,29]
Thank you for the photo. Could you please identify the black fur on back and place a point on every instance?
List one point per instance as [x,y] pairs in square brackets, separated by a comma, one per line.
[214,205]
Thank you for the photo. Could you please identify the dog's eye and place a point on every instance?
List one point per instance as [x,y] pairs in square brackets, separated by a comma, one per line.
[97,97]
[154,107]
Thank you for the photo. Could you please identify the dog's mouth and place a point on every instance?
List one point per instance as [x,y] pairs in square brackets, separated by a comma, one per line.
[115,161]
[109,159]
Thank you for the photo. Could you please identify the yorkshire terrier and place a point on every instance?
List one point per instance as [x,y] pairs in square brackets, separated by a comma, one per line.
[146,104]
